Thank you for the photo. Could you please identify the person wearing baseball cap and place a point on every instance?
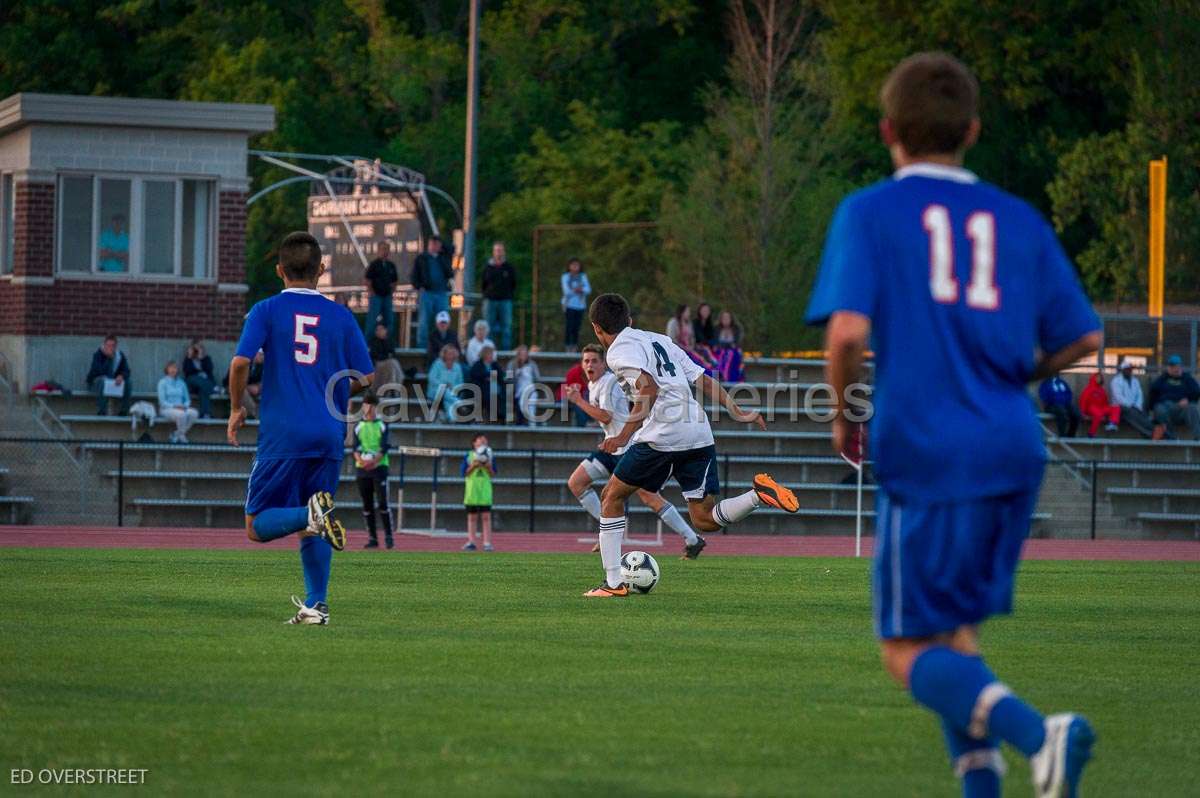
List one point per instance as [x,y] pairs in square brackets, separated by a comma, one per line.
[440,336]
[1125,390]
[1175,399]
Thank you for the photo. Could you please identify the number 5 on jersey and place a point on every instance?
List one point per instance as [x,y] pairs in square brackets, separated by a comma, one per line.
[306,342]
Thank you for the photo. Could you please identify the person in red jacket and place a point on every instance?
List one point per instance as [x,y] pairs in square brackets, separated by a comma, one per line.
[575,376]
[1094,405]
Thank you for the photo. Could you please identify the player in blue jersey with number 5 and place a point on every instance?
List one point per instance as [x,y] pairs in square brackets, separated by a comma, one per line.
[966,296]
[314,359]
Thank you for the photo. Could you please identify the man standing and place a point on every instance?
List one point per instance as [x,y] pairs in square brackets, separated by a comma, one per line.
[1125,390]
[432,273]
[109,367]
[499,286]
[381,278]
[1174,397]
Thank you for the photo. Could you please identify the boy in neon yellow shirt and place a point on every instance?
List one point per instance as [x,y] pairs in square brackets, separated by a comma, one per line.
[478,466]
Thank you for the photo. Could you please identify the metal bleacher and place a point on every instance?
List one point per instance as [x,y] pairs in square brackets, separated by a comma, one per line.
[1148,489]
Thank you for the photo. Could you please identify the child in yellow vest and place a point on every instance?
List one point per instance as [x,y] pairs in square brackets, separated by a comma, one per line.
[478,466]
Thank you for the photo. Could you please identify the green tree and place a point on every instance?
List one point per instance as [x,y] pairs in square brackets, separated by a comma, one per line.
[745,232]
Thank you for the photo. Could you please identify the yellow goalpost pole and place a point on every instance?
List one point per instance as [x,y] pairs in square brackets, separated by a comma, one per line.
[1158,226]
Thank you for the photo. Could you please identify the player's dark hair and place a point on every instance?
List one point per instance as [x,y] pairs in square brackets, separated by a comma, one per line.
[595,349]
[370,398]
[300,256]
[930,100]
[478,435]
[610,312]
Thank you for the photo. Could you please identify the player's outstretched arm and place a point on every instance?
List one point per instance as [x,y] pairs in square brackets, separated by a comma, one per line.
[239,373]
[1057,361]
[714,390]
[645,394]
[846,337]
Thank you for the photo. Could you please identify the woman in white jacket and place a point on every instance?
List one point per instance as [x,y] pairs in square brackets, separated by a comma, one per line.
[175,404]
[523,373]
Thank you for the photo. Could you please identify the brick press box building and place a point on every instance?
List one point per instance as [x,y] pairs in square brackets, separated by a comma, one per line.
[123,216]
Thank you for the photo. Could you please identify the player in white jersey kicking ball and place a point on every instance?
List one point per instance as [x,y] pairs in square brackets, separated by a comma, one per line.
[666,435]
[606,403]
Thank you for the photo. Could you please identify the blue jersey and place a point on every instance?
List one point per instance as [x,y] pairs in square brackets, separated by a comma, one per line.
[963,283]
[306,340]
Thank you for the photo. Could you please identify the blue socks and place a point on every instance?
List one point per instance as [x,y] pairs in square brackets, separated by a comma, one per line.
[976,762]
[280,521]
[974,707]
[316,555]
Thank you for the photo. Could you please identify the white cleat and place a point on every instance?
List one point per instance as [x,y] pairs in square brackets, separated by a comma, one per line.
[1058,766]
[321,521]
[317,615]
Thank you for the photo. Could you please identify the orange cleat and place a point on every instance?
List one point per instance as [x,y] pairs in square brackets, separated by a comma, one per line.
[775,495]
[604,591]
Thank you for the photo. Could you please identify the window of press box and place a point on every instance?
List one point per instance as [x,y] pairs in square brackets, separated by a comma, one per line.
[152,226]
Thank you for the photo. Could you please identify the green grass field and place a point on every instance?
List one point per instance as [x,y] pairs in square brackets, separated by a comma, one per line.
[489,675]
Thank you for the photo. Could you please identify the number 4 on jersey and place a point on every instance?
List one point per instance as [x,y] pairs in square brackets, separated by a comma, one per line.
[661,361]
[982,293]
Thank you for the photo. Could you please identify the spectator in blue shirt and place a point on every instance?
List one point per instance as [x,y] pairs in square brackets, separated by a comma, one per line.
[1174,397]
[446,376]
[1056,399]
[175,402]
[432,272]
[575,291]
[114,246]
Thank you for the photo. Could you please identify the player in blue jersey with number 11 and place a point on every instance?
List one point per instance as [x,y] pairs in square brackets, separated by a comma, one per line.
[965,295]
[314,358]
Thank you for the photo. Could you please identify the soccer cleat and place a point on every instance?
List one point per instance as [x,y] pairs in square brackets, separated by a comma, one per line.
[775,495]
[488,547]
[390,543]
[321,521]
[692,550]
[604,591]
[1058,766]
[316,615]
[372,544]
[468,546]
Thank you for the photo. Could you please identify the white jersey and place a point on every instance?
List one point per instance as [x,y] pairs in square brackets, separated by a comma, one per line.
[606,394]
[677,421]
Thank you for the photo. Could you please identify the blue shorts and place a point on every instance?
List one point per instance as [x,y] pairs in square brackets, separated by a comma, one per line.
[600,465]
[649,469]
[945,565]
[289,483]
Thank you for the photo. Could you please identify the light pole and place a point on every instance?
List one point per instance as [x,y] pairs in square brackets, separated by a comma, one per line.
[469,165]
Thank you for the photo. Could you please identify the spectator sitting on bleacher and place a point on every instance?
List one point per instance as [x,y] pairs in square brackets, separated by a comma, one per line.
[1094,404]
[198,374]
[175,402]
[1174,397]
[387,368]
[446,376]
[1125,390]
[485,375]
[108,377]
[703,330]
[1056,400]
[576,377]
[478,342]
[680,330]
[523,373]
[440,336]
[253,385]
[727,348]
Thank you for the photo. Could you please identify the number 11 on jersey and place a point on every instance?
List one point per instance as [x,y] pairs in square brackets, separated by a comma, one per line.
[982,293]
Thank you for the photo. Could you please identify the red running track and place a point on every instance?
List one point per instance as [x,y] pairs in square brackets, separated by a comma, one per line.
[542,542]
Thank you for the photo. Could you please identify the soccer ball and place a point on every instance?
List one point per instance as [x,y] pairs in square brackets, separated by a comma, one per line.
[483,454]
[639,570]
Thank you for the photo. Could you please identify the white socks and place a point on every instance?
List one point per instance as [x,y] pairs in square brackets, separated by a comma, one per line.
[734,509]
[591,503]
[612,532]
[673,519]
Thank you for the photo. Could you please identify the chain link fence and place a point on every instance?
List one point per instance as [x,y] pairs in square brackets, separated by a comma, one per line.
[102,483]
